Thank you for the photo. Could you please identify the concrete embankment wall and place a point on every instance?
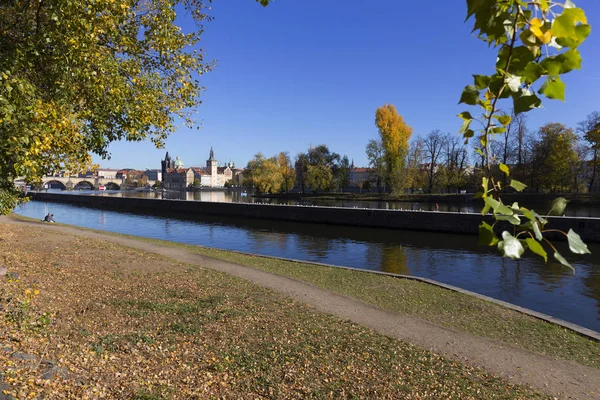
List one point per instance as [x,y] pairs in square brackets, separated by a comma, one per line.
[447,222]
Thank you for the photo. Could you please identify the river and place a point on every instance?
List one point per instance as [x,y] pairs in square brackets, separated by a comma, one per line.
[452,259]
[227,196]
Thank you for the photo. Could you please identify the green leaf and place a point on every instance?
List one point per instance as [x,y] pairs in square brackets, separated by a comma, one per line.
[570,60]
[510,246]
[513,219]
[551,65]
[527,213]
[582,32]
[520,57]
[558,206]
[537,248]
[485,182]
[532,72]
[487,237]
[537,231]
[576,244]
[564,25]
[498,207]
[467,119]
[562,260]
[504,119]
[562,63]
[481,81]
[553,88]
[495,85]
[504,168]
[518,186]
[571,28]
[469,133]
[470,95]
[524,101]
[465,115]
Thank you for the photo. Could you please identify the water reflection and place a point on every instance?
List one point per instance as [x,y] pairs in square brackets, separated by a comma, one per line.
[394,260]
[452,259]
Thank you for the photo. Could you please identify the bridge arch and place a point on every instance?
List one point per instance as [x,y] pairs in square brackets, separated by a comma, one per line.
[112,186]
[83,185]
[54,184]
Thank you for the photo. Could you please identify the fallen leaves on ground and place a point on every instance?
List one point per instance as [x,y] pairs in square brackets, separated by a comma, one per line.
[118,323]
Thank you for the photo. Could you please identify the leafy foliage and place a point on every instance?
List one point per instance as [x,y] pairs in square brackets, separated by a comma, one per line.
[287,171]
[590,128]
[536,43]
[319,168]
[76,75]
[264,174]
[319,178]
[394,134]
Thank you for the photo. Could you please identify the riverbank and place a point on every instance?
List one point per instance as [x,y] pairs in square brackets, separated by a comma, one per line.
[141,297]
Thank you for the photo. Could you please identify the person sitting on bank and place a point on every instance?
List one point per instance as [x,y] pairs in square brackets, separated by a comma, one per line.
[49,218]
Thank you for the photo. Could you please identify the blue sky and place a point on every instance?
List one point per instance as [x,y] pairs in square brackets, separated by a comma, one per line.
[301,73]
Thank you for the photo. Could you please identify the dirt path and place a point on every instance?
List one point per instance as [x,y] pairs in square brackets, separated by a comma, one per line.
[563,379]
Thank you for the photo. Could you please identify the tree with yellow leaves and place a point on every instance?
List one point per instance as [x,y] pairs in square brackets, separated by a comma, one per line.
[394,134]
[287,171]
[76,75]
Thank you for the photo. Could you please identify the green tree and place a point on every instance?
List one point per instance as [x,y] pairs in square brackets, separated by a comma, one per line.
[324,163]
[374,152]
[556,153]
[343,173]
[319,178]
[287,171]
[76,75]
[130,181]
[590,129]
[196,183]
[394,134]
[322,156]
[142,181]
[415,174]
[301,168]
[263,174]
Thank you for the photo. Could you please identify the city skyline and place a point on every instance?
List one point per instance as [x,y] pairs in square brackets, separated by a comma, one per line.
[294,75]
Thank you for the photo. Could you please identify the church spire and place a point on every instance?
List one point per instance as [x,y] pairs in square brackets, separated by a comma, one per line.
[212,154]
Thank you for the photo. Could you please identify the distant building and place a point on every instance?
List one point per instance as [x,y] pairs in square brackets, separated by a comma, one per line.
[107,173]
[359,175]
[153,174]
[177,177]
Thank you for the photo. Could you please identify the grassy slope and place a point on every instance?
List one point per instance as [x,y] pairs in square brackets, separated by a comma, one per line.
[137,325]
[431,303]
[441,306]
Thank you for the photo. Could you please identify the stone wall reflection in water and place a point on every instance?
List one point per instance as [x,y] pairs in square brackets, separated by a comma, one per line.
[452,259]
[236,196]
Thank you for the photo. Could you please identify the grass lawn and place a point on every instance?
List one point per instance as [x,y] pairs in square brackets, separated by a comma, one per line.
[122,323]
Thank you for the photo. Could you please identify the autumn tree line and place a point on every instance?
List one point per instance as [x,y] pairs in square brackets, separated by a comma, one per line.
[317,170]
[554,158]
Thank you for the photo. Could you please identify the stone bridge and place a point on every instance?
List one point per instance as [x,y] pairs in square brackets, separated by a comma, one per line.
[82,183]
